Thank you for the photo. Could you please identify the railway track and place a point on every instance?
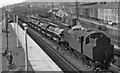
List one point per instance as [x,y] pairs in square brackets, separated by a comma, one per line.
[56,59]
[63,64]
[114,41]
[67,67]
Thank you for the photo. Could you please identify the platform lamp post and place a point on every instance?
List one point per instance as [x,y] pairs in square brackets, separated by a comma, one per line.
[26,48]
[17,31]
[6,28]
[14,22]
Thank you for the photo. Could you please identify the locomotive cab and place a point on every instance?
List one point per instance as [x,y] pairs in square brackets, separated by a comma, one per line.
[89,43]
[96,44]
[98,48]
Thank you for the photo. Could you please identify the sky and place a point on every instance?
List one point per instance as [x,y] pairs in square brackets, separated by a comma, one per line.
[7,2]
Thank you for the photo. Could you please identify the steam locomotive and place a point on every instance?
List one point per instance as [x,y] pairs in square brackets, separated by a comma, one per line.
[95,46]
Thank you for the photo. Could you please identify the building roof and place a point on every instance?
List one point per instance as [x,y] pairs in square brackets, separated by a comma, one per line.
[54,10]
[61,13]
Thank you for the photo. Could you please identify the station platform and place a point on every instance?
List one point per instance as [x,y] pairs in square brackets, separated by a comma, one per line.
[39,60]
[17,53]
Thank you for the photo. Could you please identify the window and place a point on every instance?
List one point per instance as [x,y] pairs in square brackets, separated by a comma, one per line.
[87,40]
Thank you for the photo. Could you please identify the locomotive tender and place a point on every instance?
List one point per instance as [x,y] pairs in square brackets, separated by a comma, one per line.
[95,46]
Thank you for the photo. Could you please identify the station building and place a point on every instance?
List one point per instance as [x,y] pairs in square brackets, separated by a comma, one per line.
[104,11]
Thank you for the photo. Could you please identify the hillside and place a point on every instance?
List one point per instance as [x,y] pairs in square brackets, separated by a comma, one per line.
[72,0]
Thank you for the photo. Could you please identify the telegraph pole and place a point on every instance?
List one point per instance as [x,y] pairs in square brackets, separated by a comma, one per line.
[14,23]
[44,7]
[52,6]
[77,9]
[118,14]
[77,13]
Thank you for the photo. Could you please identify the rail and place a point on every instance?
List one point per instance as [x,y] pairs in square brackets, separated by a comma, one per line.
[61,62]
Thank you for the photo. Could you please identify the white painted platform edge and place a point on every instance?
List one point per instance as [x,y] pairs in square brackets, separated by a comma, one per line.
[34,52]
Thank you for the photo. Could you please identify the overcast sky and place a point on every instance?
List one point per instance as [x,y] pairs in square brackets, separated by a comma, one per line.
[7,2]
